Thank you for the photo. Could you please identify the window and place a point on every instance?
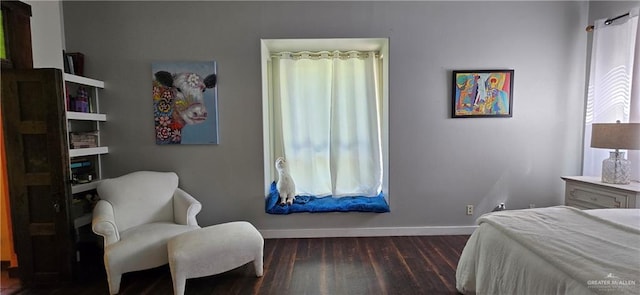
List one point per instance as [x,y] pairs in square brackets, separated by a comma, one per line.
[325,105]
[612,93]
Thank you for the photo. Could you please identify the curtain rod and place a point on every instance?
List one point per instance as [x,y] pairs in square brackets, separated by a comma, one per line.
[607,22]
[340,54]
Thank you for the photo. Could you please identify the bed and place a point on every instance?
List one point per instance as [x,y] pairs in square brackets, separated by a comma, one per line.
[554,250]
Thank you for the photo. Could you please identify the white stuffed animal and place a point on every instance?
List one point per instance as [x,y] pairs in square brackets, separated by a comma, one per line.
[285,185]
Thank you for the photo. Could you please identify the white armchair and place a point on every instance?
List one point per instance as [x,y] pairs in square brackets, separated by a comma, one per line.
[137,215]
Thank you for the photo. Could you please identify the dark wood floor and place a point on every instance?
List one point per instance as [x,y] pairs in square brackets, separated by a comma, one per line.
[332,266]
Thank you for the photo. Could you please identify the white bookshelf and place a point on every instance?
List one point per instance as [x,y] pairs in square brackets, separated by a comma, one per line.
[83,80]
[83,187]
[86,116]
[101,150]
[80,122]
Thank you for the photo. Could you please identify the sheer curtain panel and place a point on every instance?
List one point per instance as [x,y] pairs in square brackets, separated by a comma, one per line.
[614,85]
[327,111]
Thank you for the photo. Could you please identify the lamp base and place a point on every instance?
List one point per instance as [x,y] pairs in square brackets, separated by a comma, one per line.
[616,169]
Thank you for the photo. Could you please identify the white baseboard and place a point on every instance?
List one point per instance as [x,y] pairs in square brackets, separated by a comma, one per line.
[367,232]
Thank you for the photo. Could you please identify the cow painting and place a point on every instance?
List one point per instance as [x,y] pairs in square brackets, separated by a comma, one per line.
[179,101]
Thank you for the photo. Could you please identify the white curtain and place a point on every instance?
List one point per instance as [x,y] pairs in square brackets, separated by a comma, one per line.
[326,106]
[614,85]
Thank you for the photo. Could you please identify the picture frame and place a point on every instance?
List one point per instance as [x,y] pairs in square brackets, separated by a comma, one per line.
[482,93]
[185,102]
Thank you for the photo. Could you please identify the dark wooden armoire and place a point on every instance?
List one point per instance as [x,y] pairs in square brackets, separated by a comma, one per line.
[33,113]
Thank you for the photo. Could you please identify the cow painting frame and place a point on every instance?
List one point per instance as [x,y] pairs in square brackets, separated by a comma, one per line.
[185,102]
[482,93]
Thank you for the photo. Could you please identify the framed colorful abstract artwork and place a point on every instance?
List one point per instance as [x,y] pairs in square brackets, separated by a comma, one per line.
[482,93]
[185,102]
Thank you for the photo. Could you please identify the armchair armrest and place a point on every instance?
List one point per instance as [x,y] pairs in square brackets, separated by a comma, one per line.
[104,223]
[185,208]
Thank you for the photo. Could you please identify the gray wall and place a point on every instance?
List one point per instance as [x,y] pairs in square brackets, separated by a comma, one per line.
[437,164]
[609,9]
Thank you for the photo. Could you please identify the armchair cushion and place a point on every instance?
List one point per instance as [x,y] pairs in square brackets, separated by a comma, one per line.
[140,197]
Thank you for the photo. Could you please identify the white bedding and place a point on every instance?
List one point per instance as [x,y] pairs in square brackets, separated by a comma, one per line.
[555,250]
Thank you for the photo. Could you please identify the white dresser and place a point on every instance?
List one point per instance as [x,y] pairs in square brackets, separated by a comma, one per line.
[589,192]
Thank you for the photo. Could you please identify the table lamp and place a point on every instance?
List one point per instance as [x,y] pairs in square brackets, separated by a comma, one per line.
[626,136]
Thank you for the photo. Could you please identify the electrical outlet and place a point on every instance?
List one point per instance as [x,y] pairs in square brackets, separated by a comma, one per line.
[469,209]
[532,205]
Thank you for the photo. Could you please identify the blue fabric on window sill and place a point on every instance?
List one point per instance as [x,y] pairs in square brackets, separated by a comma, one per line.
[324,204]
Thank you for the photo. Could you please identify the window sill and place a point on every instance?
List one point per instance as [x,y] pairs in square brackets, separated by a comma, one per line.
[313,204]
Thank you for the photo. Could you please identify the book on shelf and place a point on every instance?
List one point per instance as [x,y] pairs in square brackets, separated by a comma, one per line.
[77,59]
[73,63]
[65,62]
[83,140]
[71,67]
